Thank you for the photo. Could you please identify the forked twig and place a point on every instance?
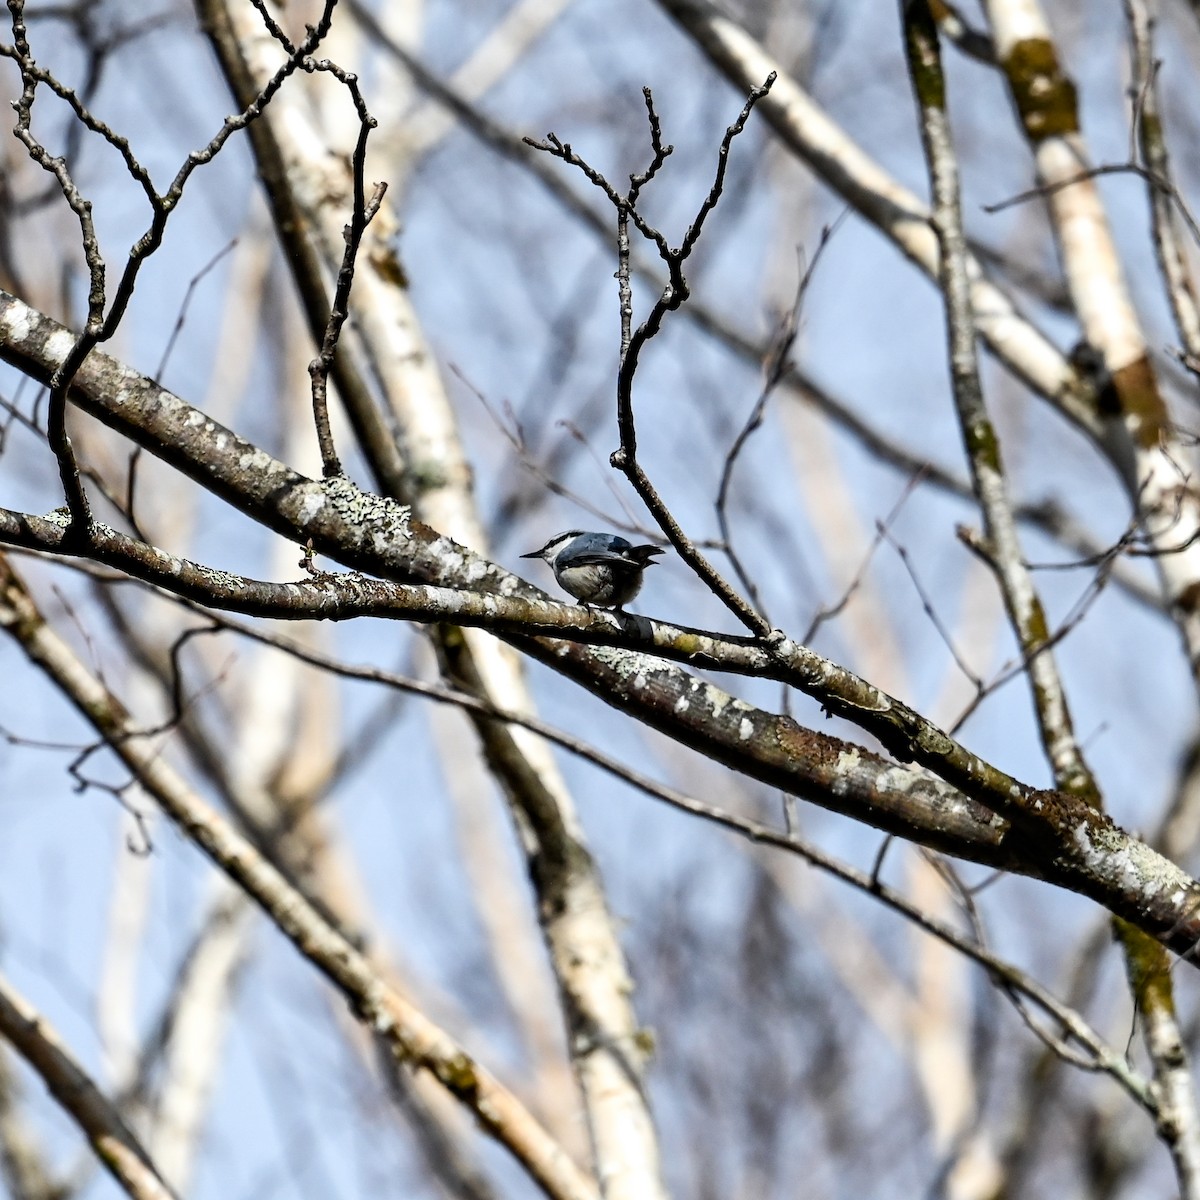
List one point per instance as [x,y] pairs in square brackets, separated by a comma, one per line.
[676,292]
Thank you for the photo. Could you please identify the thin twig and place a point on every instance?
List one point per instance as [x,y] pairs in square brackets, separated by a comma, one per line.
[775,369]
[361,214]
[675,293]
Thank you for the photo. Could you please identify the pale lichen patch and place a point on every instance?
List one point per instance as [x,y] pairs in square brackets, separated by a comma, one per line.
[628,664]
[383,520]
[901,779]
[218,579]
[59,344]
[477,570]
[311,505]
[1130,863]
[16,321]
[255,461]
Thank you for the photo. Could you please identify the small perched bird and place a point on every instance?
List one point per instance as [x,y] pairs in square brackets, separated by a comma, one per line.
[597,568]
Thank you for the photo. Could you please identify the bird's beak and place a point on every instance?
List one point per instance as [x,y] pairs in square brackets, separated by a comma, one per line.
[535,554]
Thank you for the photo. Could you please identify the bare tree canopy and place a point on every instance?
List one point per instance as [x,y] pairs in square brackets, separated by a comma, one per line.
[352,851]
